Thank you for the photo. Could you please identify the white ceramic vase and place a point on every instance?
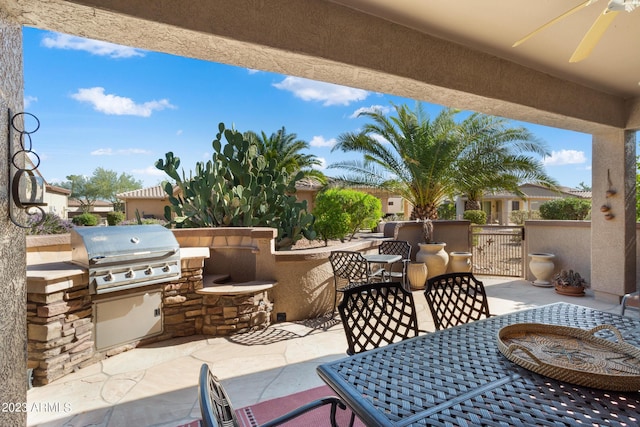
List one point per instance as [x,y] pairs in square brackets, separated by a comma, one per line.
[460,262]
[435,257]
[542,266]
[417,275]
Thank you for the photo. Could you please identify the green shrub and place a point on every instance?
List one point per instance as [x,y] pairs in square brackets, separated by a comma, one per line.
[570,208]
[86,219]
[447,210]
[52,224]
[115,217]
[476,217]
[519,217]
[339,212]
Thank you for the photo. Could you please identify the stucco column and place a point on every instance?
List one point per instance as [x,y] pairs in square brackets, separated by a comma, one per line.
[613,241]
[13,317]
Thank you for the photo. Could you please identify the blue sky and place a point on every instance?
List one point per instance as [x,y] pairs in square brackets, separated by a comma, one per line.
[119,108]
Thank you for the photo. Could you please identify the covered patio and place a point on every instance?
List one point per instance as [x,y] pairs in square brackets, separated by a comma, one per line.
[157,385]
[455,54]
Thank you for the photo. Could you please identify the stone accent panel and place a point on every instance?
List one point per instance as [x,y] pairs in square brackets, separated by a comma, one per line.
[59,333]
[232,314]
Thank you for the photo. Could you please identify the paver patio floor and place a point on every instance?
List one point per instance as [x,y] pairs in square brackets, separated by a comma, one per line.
[157,385]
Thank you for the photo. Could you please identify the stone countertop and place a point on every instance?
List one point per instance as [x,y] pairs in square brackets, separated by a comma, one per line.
[55,276]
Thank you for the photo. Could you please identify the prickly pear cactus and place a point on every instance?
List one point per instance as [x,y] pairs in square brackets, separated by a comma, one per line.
[237,187]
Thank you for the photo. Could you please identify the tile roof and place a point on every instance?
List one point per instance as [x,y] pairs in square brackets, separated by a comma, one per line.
[156,192]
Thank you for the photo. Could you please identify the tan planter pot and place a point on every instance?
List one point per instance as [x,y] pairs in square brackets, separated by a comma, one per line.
[542,266]
[435,257]
[460,262]
[417,275]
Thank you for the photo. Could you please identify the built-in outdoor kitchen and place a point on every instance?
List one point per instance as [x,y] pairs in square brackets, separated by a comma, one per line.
[114,288]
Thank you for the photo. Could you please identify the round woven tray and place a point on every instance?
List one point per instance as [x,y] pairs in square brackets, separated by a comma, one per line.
[573,355]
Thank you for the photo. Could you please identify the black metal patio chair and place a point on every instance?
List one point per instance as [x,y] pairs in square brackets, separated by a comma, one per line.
[397,247]
[375,314]
[217,411]
[350,269]
[456,298]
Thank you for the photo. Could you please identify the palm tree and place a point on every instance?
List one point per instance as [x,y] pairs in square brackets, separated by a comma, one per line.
[286,149]
[495,158]
[426,160]
[414,157]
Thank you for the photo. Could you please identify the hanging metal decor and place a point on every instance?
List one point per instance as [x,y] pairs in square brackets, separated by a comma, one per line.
[27,187]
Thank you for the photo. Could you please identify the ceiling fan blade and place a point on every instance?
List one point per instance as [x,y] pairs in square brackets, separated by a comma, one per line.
[592,37]
[553,21]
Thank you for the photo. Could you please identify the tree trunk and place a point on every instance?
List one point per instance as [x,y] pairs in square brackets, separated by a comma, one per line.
[472,205]
[429,211]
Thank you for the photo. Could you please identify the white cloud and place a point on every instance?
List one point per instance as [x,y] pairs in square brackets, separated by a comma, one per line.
[322,165]
[118,105]
[252,71]
[125,151]
[94,47]
[565,157]
[327,93]
[373,108]
[379,138]
[179,132]
[149,170]
[28,100]
[102,152]
[319,141]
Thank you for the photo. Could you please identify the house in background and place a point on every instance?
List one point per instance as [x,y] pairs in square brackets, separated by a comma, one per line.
[100,208]
[149,202]
[499,205]
[57,200]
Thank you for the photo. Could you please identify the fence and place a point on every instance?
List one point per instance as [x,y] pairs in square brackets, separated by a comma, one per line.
[497,250]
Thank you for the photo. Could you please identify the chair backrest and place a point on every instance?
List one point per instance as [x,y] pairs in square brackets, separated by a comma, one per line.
[456,298]
[375,314]
[395,247]
[350,266]
[215,405]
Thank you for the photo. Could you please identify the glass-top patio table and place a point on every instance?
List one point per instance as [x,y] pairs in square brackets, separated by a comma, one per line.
[381,259]
[458,377]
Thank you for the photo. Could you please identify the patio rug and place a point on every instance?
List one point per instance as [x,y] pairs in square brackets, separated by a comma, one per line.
[254,415]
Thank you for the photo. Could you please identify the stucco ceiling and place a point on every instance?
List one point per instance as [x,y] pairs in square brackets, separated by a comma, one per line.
[455,53]
[493,26]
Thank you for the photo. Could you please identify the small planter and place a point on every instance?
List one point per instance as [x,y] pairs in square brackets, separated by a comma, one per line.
[460,262]
[417,275]
[569,283]
[571,291]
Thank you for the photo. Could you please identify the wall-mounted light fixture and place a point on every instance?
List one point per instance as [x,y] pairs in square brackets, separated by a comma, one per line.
[27,190]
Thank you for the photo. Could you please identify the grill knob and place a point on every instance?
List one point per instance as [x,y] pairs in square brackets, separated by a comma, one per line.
[166,268]
[130,274]
[148,271]
[108,277]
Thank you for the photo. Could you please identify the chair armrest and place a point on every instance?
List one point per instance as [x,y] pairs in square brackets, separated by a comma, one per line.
[335,402]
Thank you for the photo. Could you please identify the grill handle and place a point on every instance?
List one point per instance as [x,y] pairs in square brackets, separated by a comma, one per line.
[146,254]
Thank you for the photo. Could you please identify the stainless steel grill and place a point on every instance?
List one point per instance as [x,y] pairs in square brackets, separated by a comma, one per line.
[125,257]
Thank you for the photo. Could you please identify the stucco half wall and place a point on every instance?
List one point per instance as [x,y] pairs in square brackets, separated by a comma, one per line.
[571,243]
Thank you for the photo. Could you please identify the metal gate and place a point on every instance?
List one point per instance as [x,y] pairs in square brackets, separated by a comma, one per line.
[497,250]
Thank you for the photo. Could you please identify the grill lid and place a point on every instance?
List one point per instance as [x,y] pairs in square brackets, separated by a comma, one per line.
[93,246]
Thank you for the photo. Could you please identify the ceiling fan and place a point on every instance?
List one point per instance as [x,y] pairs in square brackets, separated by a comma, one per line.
[596,31]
